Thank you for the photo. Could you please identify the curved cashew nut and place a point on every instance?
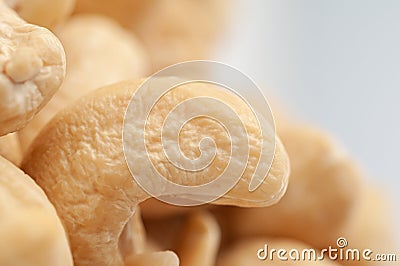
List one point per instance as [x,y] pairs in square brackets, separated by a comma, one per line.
[323,190]
[32,63]
[30,231]
[45,13]
[244,253]
[78,160]
[92,44]
[199,240]
[10,148]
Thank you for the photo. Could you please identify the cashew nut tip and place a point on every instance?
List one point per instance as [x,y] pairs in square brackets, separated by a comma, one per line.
[32,61]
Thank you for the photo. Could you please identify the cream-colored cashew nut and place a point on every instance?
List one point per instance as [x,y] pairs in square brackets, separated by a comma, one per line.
[198,241]
[45,13]
[172,31]
[245,252]
[371,226]
[162,234]
[99,53]
[156,209]
[30,231]
[323,190]
[126,12]
[32,63]
[10,148]
[133,238]
[78,160]
[161,258]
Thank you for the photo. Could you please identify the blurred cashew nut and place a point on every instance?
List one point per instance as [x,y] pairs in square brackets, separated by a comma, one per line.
[160,258]
[10,148]
[45,13]
[99,53]
[198,241]
[171,30]
[322,193]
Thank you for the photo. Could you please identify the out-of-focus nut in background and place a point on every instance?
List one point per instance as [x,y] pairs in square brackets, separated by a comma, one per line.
[45,13]
[164,258]
[171,30]
[99,52]
[323,189]
[371,226]
[198,242]
[10,148]
[133,237]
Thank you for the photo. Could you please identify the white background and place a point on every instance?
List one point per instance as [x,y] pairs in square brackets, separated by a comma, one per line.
[334,63]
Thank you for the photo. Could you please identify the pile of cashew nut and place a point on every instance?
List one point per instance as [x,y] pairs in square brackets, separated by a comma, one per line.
[67,196]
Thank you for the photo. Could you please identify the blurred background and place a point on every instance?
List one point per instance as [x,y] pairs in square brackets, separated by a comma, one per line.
[333,63]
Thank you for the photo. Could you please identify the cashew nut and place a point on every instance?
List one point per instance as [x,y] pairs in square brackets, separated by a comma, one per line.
[244,253]
[32,63]
[162,234]
[323,190]
[133,237]
[370,226]
[199,240]
[45,13]
[161,258]
[30,231]
[99,53]
[78,160]
[10,148]
[126,12]
[173,31]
